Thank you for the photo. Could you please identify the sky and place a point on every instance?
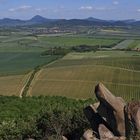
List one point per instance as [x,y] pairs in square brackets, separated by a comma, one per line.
[69,9]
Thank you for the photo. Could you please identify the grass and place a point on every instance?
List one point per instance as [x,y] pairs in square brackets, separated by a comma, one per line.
[76,78]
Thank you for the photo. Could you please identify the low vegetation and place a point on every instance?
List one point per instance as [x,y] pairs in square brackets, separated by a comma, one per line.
[33,117]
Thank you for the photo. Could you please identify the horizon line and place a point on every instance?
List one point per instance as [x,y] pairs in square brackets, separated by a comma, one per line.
[69,18]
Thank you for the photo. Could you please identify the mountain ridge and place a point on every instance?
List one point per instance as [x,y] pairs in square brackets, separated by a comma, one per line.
[37,20]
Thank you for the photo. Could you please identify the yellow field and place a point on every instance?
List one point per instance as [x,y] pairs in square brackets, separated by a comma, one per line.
[12,85]
[79,81]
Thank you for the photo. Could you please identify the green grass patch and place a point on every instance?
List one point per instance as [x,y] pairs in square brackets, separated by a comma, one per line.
[21,63]
[70,41]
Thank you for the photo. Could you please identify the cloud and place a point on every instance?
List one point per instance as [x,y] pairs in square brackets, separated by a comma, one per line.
[21,8]
[138,10]
[115,2]
[101,8]
[89,8]
[41,9]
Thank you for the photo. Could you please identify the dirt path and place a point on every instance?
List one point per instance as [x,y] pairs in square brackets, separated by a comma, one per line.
[29,92]
[31,81]
[22,90]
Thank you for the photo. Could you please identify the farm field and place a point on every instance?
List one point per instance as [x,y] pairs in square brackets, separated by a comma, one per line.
[76,78]
[12,85]
[124,44]
[100,54]
[138,46]
[21,63]
[69,41]
[24,43]
[20,53]
[135,45]
[75,75]
[131,62]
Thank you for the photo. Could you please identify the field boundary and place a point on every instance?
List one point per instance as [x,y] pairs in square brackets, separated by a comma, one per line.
[88,81]
[113,67]
[26,89]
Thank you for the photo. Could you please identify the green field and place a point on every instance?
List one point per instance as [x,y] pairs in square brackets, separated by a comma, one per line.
[21,63]
[75,41]
[131,63]
[124,44]
[101,55]
[22,43]
[138,46]
[76,78]
[135,44]
[20,53]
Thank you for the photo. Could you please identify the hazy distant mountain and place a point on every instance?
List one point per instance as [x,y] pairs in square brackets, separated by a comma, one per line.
[129,21]
[10,22]
[39,20]
[95,19]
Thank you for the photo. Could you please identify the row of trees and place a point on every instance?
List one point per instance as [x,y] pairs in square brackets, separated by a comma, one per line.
[81,48]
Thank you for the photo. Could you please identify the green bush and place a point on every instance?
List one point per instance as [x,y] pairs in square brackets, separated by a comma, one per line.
[35,117]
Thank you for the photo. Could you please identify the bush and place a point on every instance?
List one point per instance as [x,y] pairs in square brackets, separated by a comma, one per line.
[36,117]
[56,51]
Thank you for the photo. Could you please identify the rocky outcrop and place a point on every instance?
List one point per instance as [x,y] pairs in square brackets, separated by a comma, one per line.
[111,118]
[88,135]
[132,113]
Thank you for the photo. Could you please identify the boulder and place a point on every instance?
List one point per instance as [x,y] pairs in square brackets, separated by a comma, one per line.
[106,134]
[111,108]
[95,120]
[64,138]
[132,113]
[29,139]
[89,135]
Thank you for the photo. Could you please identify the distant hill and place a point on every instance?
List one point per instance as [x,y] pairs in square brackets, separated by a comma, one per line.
[39,20]
[11,22]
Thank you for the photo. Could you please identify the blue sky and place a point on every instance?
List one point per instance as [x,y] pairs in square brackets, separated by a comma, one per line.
[103,9]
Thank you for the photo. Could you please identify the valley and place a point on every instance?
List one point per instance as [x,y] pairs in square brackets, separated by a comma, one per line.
[48,74]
